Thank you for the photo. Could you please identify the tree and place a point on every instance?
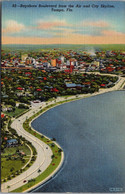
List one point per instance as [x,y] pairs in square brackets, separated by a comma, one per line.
[39,171]
[22,106]
[12,102]
[53,139]
[24,100]
[59,150]
[52,145]
[53,156]
[12,169]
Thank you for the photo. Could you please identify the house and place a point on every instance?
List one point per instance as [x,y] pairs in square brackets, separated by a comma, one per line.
[70,85]
[4,109]
[54,90]
[2,116]
[19,88]
[12,143]
[86,84]
[39,90]
[9,109]
[21,153]
[80,86]
[103,85]
[28,73]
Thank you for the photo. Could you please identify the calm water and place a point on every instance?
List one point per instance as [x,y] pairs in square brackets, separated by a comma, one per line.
[91,132]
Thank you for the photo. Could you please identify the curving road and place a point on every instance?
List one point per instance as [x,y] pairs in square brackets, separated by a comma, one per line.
[43,155]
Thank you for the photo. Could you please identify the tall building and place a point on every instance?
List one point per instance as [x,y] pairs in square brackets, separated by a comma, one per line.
[68,63]
[62,59]
[53,62]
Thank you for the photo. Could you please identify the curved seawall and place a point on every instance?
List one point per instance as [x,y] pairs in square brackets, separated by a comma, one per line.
[92,134]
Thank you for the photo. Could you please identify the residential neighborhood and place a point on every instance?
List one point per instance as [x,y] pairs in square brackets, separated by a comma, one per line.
[40,77]
[62,96]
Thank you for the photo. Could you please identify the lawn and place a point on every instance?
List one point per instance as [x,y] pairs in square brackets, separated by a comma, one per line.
[54,164]
[7,166]
[55,149]
[15,113]
[11,151]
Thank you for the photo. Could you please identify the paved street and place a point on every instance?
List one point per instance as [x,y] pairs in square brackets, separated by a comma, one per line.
[43,155]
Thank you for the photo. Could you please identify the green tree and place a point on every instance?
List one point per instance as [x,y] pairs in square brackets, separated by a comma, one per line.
[12,102]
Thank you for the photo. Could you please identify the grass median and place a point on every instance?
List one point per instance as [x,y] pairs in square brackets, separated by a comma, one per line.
[56,157]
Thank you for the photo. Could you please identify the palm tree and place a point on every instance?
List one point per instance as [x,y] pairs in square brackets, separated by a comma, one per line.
[59,150]
[39,171]
[53,139]
[52,145]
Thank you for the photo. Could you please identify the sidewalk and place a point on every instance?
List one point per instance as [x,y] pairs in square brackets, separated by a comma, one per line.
[42,161]
[43,155]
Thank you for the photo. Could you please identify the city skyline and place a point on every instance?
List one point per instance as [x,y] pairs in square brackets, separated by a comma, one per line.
[37,25]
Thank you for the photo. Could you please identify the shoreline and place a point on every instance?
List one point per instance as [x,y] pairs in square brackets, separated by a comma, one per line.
[55,105]
[60,164]
[59,101]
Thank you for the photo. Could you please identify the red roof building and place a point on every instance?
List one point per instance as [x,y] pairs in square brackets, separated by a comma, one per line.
[28,73]
[54,90]
[102,85]
[38,89]
[19,88]
[2,115]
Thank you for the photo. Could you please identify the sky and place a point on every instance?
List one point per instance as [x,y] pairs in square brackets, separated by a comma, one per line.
[82,25]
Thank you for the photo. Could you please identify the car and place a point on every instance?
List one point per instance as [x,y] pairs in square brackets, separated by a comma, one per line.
[36,101]
[24,181]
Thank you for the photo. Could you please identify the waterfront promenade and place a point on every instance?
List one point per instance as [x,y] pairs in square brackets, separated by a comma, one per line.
[44,153]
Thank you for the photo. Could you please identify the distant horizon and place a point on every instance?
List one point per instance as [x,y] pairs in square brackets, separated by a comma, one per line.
[77,47]
[62,44]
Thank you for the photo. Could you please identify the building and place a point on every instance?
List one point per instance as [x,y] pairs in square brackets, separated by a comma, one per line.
[28,61]
[70,85]
[53,62]
[67,63]
[97,63]
[46,64]
[12,142]
[24,56]
[62,59]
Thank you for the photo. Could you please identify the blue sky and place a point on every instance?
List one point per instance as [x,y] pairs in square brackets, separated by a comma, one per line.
[43,23]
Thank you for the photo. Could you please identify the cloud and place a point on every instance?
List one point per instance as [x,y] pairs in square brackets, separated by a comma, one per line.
[100,24]
[63,32]
[49,25]
[13,26]
[112,33]
[69,39]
